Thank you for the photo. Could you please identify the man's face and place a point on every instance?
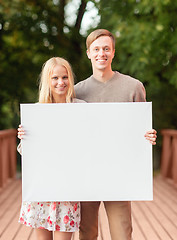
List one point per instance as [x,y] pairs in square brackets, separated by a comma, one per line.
[101,53]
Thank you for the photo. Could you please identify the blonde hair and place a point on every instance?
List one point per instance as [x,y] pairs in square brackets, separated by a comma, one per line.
[98,33]
[45,95]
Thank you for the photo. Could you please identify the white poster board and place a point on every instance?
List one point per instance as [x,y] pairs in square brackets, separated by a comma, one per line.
[86,152]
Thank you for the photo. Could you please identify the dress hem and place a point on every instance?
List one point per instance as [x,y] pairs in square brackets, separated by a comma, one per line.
[50,230]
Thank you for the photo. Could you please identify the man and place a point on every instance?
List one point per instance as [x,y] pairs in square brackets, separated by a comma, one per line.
[106,85]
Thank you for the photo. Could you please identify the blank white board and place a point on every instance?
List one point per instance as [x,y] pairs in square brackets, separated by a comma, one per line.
[86,152]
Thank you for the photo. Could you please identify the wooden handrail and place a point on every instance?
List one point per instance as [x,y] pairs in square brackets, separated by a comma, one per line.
[8,155]
[169,154]
[171,132]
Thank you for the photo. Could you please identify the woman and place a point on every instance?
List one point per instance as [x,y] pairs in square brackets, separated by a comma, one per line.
[53,219]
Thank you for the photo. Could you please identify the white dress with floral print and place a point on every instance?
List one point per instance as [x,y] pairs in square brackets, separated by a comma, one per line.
[53,216]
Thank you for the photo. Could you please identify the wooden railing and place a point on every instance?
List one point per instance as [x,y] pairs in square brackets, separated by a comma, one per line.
[169,154]
[8,155]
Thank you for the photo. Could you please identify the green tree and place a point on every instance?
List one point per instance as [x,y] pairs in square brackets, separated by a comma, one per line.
[33,31]
[146,38]
[30,33]
[146,49]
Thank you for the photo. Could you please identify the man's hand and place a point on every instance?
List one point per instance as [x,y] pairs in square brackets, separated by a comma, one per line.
[151,136]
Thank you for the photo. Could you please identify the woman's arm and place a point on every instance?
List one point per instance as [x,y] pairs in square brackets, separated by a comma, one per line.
[21,132]
[20,135]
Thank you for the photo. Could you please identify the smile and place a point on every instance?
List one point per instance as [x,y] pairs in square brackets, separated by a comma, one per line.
[61,87]
[101,60]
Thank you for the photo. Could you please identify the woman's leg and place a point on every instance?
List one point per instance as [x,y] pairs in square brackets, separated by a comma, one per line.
[43,234]
[62,235]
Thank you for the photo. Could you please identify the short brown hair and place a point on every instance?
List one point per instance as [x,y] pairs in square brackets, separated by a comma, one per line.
[98,33]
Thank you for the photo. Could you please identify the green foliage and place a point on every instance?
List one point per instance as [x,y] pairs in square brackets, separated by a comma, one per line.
[146,35]
[30,33]
[33,31]
[146,49]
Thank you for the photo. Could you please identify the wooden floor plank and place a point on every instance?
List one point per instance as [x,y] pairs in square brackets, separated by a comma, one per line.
[23,233]
[167,190]
[16,192]
[103,224]
[167,183]
[153,220]
[9,214]
[165,222]
[12,228]
[7,191]
[137,232]
[144,224]
[166,199]
[32,236]
[168,209]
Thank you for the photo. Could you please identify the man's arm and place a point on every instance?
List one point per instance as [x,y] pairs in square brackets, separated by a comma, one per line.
[140,93]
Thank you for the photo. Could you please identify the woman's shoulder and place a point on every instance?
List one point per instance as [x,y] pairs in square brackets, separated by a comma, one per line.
[76,100]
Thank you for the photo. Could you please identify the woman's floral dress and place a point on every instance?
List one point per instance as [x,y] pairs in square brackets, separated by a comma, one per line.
[53,216]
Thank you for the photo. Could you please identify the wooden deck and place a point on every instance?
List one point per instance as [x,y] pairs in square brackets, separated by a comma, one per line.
[152,220]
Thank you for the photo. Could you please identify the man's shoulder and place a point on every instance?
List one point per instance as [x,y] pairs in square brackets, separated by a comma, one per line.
[128,78]
[84,88]
[129,81]
[83,83]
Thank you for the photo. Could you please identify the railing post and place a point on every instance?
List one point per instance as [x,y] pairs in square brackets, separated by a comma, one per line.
[1,164]
[8,155]
[166,161]
[174,159]
[169,154]
[13,157]
[5,160]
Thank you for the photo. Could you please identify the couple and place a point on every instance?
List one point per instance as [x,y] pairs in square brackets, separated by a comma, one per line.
[58,220]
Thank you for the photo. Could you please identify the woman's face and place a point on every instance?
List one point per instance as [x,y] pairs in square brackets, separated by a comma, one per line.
[59,81]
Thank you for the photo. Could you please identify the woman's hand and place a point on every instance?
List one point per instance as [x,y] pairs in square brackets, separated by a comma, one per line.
[151,136]
[21,132]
